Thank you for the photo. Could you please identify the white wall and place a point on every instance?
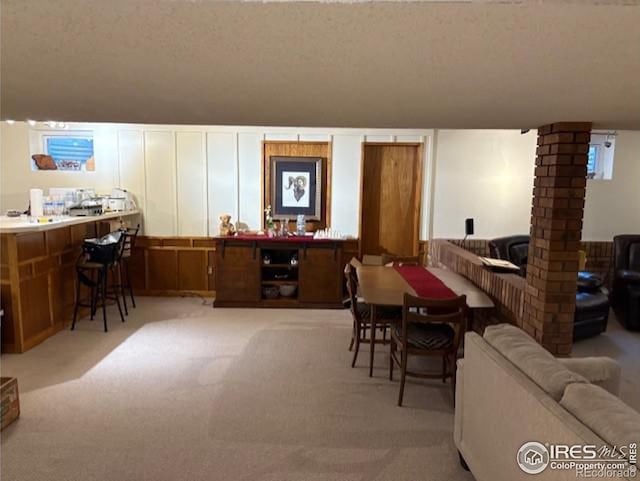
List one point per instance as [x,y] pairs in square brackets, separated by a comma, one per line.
[345,200]
[16,176]
[484,174]
[613,206]
[488,175]
[184,177]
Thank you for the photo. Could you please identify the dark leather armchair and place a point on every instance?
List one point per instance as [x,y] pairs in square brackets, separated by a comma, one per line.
[626,278]
[514,249]
[592,300]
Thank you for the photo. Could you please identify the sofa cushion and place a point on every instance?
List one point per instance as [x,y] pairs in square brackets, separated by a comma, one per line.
[601,371]
[591,305]
[532,359]
[603,413]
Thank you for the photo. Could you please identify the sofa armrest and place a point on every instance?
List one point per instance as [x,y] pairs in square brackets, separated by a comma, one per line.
[601,371]
[457,419]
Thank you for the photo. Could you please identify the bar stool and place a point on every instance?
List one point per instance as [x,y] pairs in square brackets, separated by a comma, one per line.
[130,235]
[98,257]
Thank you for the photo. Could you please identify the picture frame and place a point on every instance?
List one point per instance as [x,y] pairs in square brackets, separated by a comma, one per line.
[296,187]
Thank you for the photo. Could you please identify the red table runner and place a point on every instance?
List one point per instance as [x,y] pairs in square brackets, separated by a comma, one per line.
[424,282]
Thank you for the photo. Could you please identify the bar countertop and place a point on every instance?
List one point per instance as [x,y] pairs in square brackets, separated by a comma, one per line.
[16,225]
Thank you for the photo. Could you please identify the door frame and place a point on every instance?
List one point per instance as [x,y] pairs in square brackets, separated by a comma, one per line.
[418,186]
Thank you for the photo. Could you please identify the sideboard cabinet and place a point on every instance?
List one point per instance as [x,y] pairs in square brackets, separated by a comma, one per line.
[257,271]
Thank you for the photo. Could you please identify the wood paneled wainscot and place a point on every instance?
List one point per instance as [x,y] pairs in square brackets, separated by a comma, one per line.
[247,267]
[38,276]
[173,266]
[186,266]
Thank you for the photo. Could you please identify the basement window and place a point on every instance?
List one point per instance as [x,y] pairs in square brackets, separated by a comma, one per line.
[592,160]
[71,151]
[600,156]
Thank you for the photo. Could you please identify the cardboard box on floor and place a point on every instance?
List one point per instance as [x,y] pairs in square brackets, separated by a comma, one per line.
[10,401]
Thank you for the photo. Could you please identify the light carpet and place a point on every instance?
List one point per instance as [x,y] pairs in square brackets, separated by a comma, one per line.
[183,391]
[622,345]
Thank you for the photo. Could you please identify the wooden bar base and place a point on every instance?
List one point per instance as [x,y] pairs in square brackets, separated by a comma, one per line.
[38,278]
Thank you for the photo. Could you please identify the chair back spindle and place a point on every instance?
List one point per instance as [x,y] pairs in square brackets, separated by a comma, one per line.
[451,312]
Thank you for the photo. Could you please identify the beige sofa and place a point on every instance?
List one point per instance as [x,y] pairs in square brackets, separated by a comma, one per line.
[511,391]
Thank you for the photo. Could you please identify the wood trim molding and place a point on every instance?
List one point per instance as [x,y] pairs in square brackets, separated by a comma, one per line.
[14,278]
[418,203]
[329,176]
[163,255]
[265,180]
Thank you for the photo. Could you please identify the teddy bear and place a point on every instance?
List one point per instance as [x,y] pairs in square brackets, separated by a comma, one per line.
[226,227]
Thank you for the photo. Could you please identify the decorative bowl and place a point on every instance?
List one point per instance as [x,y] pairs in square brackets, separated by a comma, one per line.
[270,292]
[287,290]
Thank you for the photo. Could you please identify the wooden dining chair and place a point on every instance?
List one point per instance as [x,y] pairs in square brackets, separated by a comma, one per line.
[361,314]
[429,327]
[403,260]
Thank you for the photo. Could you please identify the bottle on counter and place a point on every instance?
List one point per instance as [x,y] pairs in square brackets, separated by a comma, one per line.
[48,206]
[300,226]
[59,206]
[69,200]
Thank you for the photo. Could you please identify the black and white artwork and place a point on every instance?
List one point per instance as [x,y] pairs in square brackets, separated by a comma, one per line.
[296,187]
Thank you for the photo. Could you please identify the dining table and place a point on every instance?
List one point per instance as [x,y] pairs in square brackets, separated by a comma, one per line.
[384,286]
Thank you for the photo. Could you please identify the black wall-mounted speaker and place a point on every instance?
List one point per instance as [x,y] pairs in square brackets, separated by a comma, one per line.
[468,227]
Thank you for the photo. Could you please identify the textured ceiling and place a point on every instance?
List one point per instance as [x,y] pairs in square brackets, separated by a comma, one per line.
[420,64]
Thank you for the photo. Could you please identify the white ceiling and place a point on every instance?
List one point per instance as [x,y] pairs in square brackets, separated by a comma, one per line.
[374,64]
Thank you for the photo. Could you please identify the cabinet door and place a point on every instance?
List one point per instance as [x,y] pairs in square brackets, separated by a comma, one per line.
[320,275]
[237,273]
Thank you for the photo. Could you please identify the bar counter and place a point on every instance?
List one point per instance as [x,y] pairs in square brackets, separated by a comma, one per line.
[37,273]
[15,225]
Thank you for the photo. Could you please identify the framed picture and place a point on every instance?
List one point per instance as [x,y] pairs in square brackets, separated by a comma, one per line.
[296,187]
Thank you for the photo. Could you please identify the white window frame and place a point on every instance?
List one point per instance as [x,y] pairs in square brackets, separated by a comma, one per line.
[604,155]
[38,144]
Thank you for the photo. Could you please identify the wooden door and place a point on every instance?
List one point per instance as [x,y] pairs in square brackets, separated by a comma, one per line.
[320,275]
[237,274]
[391,194]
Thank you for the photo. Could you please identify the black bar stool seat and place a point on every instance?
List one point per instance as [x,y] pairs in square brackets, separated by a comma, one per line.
[98,258]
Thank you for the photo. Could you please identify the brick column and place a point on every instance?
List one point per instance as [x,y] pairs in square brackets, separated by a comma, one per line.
[556,229]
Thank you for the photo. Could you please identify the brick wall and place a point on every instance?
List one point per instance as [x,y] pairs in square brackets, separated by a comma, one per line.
[599,254]
[506,290]
[600,259]
[556,229]
[479,247]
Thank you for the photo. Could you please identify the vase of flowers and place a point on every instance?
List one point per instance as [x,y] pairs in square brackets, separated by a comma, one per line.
[268,222]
